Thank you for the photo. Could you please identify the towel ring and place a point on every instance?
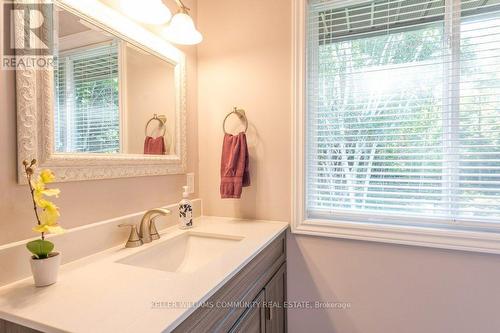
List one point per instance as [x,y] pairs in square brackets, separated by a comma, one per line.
[240,113]
[162,119]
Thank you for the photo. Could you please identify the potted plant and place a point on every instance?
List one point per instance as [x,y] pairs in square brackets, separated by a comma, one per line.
[44,262]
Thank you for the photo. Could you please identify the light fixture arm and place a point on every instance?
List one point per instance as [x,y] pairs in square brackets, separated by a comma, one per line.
[182,6]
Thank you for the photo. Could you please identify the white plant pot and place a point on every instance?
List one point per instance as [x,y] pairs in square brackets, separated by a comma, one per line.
[45,270]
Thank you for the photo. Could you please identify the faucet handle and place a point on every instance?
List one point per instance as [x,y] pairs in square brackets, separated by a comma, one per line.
[152,229]
[133,239]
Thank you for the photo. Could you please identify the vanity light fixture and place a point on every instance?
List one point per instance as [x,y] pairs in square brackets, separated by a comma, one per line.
[181,29]
[146,11]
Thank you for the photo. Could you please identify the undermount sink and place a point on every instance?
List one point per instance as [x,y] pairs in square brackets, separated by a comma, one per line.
[185,253]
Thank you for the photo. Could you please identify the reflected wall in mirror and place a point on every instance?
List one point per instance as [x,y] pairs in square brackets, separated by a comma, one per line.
[111,96]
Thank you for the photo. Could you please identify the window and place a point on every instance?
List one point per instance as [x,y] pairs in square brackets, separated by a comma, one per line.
[402,114]
[87,117]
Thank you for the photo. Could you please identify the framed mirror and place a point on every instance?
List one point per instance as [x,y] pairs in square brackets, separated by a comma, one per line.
[111,104]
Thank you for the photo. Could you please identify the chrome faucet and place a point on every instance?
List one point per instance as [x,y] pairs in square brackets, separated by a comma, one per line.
[147,229]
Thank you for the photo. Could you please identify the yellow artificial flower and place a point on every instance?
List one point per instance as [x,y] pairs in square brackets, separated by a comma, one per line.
[39,188]
[49,216]
[51,192]
[51,229]
[47,176]
[39,191]
[50,212]
[47,205]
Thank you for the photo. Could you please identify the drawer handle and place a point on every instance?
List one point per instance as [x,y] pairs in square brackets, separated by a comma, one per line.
[269,313]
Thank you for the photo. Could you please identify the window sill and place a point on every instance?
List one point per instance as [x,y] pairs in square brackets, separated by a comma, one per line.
[474,241]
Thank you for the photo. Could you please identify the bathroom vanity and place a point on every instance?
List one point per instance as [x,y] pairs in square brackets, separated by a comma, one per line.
[261,284]
[224,275]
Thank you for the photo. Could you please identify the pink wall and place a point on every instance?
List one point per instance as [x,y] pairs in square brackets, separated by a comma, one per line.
[392,288]
[245,60]
[88,201]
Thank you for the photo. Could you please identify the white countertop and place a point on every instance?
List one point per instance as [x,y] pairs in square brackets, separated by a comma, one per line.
[97,294]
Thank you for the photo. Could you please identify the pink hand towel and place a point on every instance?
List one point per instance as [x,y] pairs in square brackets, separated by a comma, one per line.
[154,146]
[234,166]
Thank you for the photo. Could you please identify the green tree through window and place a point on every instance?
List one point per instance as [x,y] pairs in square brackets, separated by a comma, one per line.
[391,127]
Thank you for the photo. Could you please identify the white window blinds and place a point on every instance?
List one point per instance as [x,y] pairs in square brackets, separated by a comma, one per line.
[87,117]
[403,110]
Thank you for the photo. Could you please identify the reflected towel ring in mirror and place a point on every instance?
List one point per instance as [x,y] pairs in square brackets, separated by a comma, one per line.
[240,113]
[161,119]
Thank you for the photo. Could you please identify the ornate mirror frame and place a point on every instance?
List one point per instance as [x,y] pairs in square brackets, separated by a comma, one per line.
[35,101]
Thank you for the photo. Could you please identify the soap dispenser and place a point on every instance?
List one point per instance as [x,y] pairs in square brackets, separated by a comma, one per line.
[185,210]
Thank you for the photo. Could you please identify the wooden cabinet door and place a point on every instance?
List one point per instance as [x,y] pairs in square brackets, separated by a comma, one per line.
[8,327]
[253,320]
[275,295]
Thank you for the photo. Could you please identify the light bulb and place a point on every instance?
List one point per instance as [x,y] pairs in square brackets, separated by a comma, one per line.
[146,11]
[181,30]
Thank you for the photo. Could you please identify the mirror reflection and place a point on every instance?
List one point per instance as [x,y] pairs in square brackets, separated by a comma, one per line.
[110,95]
